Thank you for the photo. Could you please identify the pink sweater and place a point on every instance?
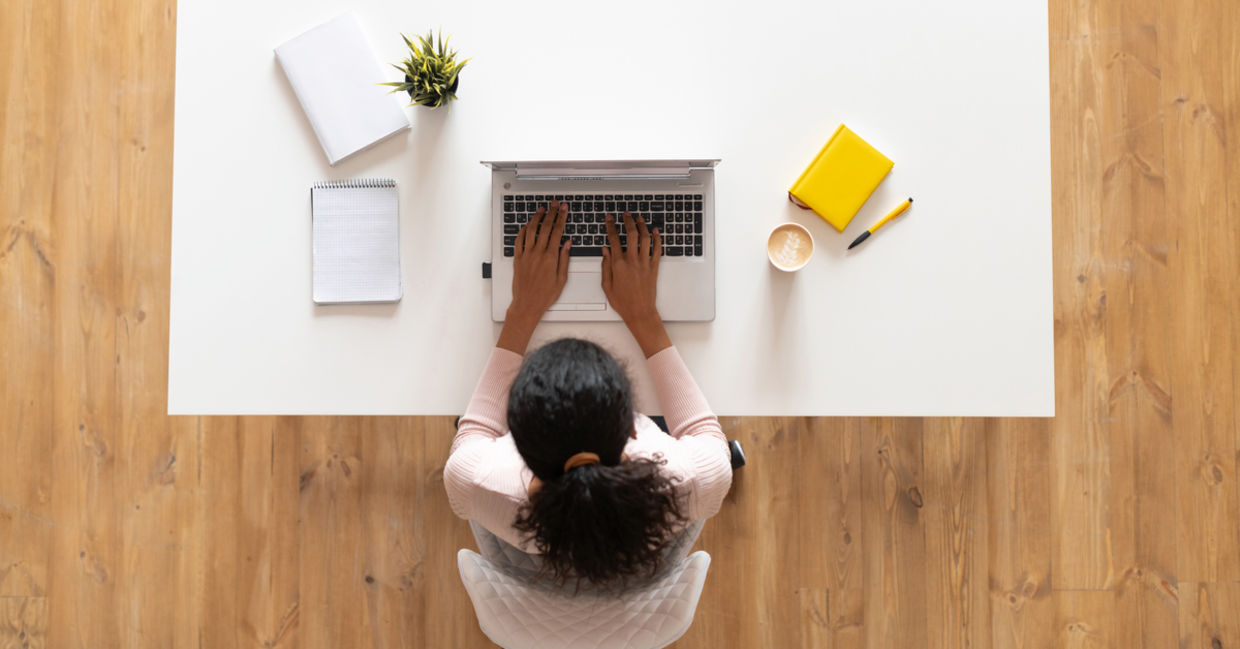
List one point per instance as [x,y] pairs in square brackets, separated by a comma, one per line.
[487,481]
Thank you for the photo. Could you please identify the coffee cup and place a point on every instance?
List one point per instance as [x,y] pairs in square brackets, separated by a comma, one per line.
[789,246]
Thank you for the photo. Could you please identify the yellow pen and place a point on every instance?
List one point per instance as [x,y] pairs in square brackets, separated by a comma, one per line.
[900,209]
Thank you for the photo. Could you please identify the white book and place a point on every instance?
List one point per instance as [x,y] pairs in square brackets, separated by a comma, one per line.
[335,75]
[356,240]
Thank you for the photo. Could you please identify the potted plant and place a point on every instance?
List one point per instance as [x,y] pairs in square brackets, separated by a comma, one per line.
[431,70]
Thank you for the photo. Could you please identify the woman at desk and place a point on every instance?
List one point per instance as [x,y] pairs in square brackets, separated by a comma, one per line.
[550,457]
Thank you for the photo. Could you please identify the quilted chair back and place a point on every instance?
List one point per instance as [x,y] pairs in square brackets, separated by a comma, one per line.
[516,614]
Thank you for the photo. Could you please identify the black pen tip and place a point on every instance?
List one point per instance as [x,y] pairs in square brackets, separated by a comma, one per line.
[856,242]
[910,199]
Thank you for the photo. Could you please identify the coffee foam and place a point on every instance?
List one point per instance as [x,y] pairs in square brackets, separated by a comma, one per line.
[789,246]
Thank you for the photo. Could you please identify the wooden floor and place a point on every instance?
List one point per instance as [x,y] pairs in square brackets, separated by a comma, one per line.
[1116,524]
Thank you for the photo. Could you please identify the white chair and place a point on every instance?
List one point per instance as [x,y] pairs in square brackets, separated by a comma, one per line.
[516,613]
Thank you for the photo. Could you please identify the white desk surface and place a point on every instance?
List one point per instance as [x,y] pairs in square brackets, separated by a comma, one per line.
[947,311]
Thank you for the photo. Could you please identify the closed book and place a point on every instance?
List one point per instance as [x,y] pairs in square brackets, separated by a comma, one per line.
[841,178]
[335,75]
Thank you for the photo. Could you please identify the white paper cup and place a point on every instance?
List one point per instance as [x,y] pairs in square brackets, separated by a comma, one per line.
[789,246]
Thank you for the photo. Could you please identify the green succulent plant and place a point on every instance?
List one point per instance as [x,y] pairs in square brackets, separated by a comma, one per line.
[431,70]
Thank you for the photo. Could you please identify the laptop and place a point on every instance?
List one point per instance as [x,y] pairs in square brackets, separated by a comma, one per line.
[677,196]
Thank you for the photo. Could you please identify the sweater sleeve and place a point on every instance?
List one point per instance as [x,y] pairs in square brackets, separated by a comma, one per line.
[699,441]
[482,425]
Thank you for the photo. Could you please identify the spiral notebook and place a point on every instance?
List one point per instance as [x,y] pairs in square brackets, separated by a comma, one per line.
[356,241]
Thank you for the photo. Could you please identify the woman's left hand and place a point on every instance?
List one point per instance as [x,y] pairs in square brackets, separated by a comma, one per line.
[539,272]
[540,263]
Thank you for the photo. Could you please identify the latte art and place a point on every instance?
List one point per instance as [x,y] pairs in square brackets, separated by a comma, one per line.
[789,246]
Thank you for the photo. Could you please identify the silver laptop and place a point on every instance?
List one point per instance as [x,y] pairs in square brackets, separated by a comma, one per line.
[677,196]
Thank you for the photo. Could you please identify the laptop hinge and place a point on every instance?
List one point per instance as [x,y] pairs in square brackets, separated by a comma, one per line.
[538,171]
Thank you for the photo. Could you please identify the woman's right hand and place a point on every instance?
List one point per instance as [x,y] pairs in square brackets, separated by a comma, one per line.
[631,278]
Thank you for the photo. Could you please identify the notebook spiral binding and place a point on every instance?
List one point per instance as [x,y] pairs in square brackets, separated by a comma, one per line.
[357,183]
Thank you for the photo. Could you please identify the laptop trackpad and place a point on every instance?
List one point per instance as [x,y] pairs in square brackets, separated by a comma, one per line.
[582,292]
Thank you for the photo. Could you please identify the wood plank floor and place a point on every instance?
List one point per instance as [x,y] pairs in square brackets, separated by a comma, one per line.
[1115,524]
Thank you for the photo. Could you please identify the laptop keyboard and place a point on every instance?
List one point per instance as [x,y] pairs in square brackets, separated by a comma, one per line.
[678,217]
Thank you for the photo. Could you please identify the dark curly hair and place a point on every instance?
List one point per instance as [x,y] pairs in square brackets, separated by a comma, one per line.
[604,523]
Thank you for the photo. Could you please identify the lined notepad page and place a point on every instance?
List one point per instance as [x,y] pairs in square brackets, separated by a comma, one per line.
[356,241]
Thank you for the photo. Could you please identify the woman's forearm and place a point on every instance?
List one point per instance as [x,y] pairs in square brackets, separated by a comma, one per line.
[650,334]
[518,328]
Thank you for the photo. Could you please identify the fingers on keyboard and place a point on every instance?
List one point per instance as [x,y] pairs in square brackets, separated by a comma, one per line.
[677,216]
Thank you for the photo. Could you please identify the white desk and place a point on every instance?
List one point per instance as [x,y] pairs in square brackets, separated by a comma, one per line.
[947,311]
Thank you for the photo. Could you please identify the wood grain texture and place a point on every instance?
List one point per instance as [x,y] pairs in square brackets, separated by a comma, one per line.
[1209,615]
[830,527]
[87,502]
[27,293]
[1018,468]
[759,551]
[447,611]
[249,579]
[957,533]
[1113,486]
[392,533]
[1079,346]
[332,579]
[1115,524]
[894,528]
[1205,270]
[1085,620]
[23,622]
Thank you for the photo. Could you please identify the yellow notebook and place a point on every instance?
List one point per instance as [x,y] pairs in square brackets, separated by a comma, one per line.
[841,178]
